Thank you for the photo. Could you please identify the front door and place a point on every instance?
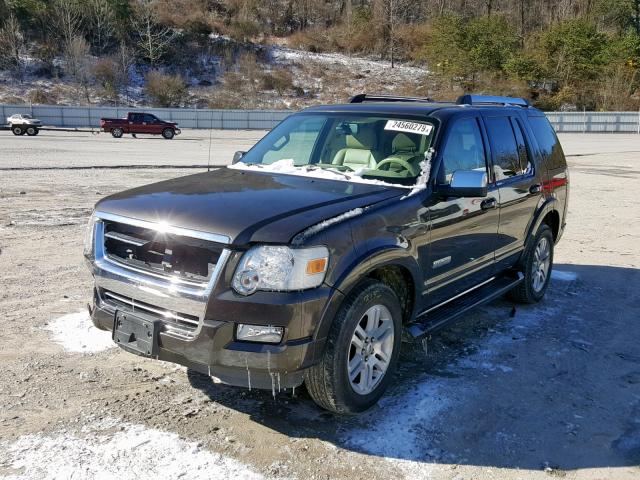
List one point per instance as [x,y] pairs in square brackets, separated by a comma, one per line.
[463,230]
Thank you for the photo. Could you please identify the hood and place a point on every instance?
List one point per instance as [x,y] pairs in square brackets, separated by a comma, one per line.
[244,205]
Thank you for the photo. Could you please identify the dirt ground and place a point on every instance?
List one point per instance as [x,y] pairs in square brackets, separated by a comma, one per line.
[545,391]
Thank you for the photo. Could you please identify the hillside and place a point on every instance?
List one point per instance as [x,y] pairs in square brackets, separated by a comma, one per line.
[561,54]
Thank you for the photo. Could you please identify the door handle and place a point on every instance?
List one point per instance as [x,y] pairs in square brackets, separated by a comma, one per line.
[489,203]
[536,188]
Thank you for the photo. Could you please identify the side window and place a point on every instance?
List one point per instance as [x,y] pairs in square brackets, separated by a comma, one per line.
[548,142]
[523,151]
[464,149]
[149,118]
[506,156]
[136,117]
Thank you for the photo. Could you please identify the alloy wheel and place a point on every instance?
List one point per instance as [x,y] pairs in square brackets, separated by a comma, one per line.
[541,264]
[370,349]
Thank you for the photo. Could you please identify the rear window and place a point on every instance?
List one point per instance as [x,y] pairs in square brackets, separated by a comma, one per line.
[506,155]
[548,142]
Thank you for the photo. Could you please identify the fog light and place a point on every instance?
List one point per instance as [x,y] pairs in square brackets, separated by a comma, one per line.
[259,333]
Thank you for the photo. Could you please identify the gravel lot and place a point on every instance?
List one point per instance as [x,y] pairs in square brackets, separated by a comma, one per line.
[547,391]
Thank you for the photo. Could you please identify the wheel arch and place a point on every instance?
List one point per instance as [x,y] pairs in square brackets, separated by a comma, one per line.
[548,214]
[392,266]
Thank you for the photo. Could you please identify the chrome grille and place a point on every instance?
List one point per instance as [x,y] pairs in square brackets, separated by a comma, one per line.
[137,286]
[183,259]
[120,302]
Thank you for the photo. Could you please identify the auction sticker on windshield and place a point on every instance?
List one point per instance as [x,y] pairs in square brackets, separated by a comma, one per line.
[409,127]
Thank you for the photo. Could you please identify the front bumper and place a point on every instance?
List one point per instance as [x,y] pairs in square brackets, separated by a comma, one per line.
[215,352]
[197,324]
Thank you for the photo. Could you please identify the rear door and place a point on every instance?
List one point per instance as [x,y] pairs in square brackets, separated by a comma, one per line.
[518,182]
[463,230]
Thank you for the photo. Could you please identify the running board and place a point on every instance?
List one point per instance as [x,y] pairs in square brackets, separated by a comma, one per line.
[439,317]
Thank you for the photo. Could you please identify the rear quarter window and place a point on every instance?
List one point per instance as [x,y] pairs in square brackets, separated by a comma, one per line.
[548,142]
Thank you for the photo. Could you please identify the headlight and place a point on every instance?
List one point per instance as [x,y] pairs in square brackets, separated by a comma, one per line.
[89,235]
[280,268]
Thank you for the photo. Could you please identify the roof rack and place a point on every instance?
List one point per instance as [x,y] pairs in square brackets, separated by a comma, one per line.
[492,100]
[363,97]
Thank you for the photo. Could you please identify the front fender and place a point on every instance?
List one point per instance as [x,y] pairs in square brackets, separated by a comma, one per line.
[361,267]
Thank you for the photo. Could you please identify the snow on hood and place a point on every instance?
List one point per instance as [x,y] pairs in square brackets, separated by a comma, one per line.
[288,167]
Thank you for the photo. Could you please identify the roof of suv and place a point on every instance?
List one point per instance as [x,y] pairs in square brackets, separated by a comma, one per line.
[411,106]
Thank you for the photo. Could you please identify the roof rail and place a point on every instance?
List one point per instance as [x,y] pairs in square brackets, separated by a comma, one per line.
[491,100]
[363,97]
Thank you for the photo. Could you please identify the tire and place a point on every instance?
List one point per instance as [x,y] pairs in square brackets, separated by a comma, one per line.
[168,133]
[117,133]
[31,131]
[17,130]
[329,382]
[535,268]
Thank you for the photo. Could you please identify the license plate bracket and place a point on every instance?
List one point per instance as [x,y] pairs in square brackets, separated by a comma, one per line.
[136,334]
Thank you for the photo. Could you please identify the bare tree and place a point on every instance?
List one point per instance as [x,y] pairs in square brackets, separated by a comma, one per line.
[79,63]
[102,20]
[153,38]
[392,14]
[66,21]
[12,45]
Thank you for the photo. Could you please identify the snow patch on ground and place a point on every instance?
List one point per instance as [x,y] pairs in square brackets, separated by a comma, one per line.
[111,449]
[563,275]
[76,333]
[399,427]
[359,63]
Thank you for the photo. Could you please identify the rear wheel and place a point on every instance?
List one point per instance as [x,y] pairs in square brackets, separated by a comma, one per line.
[168,133]
[536,266]
[32,131]
[361,353]
[17,130]
[117,132]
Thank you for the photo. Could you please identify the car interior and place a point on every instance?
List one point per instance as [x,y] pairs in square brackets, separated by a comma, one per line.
[368,145]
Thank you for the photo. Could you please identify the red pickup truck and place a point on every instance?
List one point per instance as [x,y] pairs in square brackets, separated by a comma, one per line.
[143,123]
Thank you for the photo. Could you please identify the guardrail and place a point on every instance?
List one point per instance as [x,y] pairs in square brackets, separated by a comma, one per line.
[62,116]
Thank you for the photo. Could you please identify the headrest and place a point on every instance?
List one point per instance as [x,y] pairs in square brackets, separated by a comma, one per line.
[365,139]
[402,143]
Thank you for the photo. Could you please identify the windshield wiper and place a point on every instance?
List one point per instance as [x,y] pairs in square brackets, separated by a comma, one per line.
[331,168]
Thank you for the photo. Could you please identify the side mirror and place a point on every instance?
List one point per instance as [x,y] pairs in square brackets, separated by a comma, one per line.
[468,183]
[237,157]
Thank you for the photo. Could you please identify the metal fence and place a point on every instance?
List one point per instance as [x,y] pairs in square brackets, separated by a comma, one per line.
[59,116]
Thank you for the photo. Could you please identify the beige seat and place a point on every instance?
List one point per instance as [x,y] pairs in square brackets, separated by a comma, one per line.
[359,151]
[402,146]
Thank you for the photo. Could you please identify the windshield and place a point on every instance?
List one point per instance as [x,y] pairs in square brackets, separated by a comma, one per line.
[380,147]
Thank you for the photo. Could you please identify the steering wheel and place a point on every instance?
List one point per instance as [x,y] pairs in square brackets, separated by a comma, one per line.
[400,162]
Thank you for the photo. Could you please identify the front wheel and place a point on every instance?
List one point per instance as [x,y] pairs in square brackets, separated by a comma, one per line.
[17,130]
[168,133]
[32,131]
[117,132]
[536,266]
[361,352]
